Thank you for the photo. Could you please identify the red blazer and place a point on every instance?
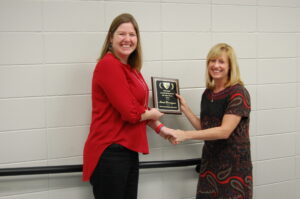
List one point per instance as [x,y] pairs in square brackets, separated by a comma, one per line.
[119,98]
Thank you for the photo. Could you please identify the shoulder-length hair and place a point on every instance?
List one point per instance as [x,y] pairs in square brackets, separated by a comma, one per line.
[234,72]
[135,58]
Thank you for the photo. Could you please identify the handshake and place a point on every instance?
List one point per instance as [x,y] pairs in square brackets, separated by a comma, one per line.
[174,136]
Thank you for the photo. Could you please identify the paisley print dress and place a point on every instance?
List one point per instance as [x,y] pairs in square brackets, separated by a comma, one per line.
[226,167]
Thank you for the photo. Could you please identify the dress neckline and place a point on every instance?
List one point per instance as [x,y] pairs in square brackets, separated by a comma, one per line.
[213,96]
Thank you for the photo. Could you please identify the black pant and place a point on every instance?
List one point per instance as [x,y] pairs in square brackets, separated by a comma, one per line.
[116,175]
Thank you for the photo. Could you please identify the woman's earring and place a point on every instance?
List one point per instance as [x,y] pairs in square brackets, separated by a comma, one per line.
[110,47]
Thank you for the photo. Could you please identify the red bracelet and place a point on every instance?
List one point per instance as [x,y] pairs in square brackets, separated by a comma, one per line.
[157,129]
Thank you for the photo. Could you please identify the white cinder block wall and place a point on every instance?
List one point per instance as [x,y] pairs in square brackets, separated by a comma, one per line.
[48,50]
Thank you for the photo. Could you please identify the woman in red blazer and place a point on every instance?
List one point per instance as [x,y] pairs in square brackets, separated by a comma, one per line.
[120,114]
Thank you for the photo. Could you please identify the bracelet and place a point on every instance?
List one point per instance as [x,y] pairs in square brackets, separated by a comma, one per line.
[157,129]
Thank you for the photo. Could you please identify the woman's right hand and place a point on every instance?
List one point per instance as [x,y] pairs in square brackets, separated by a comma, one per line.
[151,114]
[183,105]
[194,120]
[154,114]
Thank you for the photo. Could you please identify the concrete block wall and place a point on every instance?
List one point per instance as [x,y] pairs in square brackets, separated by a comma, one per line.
[48,50]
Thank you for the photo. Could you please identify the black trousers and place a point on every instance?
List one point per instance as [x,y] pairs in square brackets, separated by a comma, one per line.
[116,175]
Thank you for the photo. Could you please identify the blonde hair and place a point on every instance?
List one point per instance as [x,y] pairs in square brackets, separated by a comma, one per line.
[135,58]
[234,72]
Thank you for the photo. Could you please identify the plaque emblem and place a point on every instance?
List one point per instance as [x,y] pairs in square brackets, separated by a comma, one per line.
[166,85]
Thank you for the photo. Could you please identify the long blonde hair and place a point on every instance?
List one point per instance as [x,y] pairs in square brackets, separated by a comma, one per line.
[234,72]
[135,58]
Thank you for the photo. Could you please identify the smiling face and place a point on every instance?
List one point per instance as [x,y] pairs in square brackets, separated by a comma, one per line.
[218,68]
[124,41]
[222,69]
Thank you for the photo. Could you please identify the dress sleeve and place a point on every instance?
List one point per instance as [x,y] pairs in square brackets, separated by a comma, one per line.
[112,79]
[239,103]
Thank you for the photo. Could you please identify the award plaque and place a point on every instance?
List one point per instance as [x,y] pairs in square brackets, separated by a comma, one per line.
[164,98]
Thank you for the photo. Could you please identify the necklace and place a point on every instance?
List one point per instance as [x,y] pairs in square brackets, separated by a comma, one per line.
[213,96]
[216,94]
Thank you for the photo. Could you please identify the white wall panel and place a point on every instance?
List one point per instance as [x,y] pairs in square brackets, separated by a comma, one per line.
[73,15]
[173,178]
[66,161]
[185,45]
[17,114]
[286,42]
[180,17]
[254,173]
[248,71]
[151,69]
[155,154]
[298,95]
[20,15]
[151,180]
[23,146]
[253,123]
[276,71]
[193,98]
[147,14]
[297,182]
[298,66]
[228,18]
[298,167]
[298,45]
[74,193]
[188,1]
[151,46]
[59,144]
[253,149]
[68,79]
[298,119]
[68,111]
[297,143]
[189,73]
[244,44]
[275,146]
[21,48]
[136,0]
[276,96]
[285,19]
[72,47]
[291,3]
[276,121]
[150,98]
[183,151]
[18,164]
[177,122]
[253,96]
[235,2]
[37,195]
[298,15]
[277,191]
[12,186]
[67,180]
[276,170]
[22,81]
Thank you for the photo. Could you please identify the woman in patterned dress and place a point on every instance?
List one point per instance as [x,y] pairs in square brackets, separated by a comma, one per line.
[226,167]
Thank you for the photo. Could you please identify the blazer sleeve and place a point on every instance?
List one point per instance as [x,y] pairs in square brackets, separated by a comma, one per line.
[112,79]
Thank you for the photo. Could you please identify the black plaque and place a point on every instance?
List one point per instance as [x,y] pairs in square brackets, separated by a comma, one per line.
[164,98]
